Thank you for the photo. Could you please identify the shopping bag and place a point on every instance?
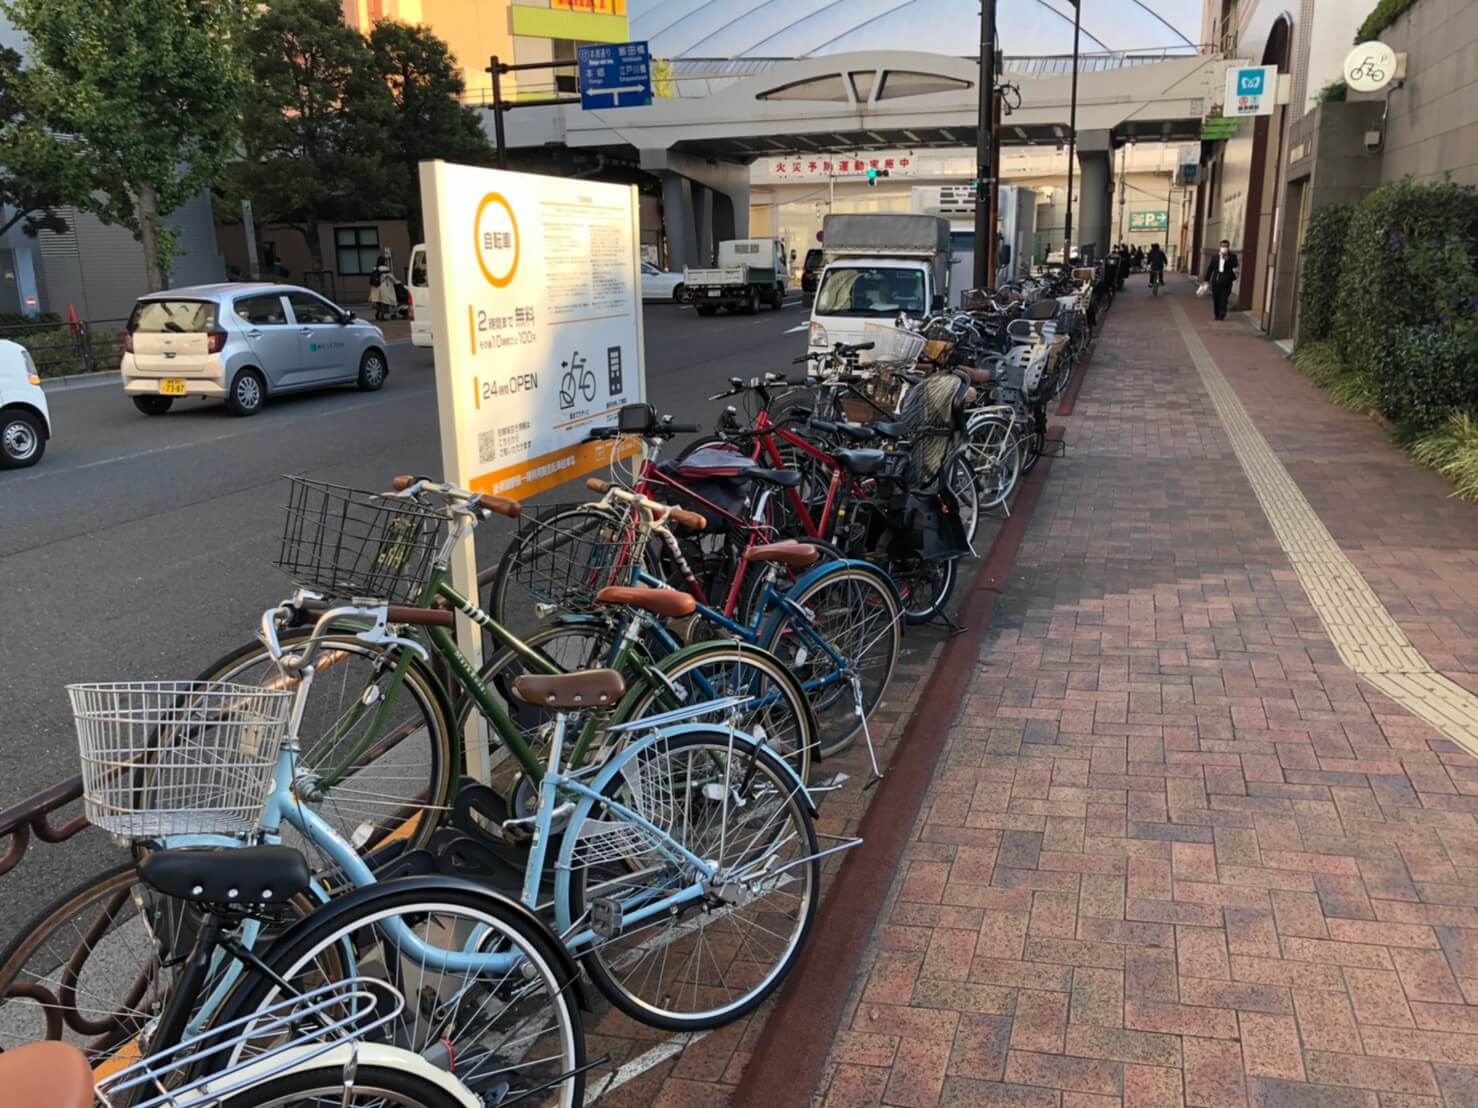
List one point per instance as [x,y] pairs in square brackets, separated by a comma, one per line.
[1203,289]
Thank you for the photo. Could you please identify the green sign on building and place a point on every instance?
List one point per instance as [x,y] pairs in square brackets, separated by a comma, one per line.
[1220,128]
[1149,221]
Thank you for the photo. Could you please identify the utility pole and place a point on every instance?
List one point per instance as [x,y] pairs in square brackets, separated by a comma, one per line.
[1123,191]
[985,170]
[995,192]
[500,140]
[1072,140]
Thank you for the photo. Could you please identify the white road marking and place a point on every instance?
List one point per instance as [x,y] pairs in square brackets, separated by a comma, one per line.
[642,1063]
[798,327]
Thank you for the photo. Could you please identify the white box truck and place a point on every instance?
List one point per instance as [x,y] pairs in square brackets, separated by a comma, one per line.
[750,272]
[878,266]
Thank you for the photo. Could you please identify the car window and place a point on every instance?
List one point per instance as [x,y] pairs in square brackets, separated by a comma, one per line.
[261,309]
[813,259]
[312,309]
[418,271]
[870,291]
[648,267]
[178,316]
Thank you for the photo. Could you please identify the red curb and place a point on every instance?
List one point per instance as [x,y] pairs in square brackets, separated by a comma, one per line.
[791,1051]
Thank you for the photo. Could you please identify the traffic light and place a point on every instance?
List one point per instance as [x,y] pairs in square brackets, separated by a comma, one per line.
[873,175]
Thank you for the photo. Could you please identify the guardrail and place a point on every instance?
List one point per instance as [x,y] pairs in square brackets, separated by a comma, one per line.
[60,348]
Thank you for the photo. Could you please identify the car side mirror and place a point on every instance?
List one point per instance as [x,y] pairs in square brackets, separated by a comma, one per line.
[347,318]
[937,304]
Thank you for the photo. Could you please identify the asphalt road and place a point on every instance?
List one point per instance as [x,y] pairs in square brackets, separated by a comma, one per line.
[142,548]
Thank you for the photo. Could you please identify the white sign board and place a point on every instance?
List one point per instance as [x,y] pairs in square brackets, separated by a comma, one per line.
[1251,90]
[538,322]
[1370,67]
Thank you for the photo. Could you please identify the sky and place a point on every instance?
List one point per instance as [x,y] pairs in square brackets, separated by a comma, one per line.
[797,28]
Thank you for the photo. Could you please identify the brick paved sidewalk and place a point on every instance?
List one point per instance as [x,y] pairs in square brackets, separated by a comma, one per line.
[1177,853]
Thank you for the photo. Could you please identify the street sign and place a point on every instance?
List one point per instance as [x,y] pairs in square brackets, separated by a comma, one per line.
[1251,90]
[1220,128]
[1149,221]
[1370,67]
[615,76]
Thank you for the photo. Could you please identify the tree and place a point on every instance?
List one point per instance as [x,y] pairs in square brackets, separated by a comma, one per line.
[30,195]
[318,122]
[430,122]
[133,106]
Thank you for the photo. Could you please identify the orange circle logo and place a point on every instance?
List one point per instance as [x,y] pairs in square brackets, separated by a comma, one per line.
[497,244]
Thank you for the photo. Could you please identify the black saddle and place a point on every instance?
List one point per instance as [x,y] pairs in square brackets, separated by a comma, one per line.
[863,463]
[251,875]
[891,431]
[780,478]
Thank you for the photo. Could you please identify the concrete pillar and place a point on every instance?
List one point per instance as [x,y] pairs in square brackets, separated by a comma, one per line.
[1095,209]
[677,220]
[703,215]
[723,217]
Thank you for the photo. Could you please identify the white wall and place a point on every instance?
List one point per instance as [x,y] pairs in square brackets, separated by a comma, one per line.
[1335,23]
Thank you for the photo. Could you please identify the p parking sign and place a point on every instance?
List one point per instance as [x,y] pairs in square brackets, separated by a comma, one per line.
[1251,90]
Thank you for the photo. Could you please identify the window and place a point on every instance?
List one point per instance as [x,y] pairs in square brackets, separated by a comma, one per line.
[862,84]
[419,279]
[898,83]
[648,267]
[357,249]
[829,88]
[178,316]
[312,309]
[868,291]
[261,309]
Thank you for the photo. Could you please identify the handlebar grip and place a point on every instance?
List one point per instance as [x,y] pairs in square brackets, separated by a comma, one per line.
[595,484]
[682,428]
[421,617]
[500,505]
[691,520]
[803,359]
[403,482]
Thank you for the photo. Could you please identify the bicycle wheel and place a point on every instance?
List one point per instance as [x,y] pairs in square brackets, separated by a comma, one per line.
[559,563]
[378,756]
[959,478]
[854,611]
[995,459]
[926,586]
[484,982]
[717,957]
[335,1085]
[776,706]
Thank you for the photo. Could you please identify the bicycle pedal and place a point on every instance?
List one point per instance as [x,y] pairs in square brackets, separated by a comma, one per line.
[606,917]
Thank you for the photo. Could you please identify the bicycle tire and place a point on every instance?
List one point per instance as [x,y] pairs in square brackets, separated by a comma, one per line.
[361,916]
[428,765]
[959,478]
[388,1086]
[767,777]
[995,457]
[856,589]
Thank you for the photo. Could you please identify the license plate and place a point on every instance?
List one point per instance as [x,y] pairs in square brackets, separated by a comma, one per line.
[172,386]
[715,292]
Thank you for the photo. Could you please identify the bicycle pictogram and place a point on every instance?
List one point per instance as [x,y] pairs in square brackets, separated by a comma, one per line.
[577,377]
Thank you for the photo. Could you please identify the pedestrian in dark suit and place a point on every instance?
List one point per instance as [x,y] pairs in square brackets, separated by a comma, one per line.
[1221,275]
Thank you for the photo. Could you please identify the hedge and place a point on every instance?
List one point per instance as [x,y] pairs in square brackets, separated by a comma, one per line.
[1323,252]
[1385,13]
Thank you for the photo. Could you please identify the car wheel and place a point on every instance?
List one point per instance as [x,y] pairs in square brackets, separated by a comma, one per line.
[22,440]
[751,303]
[247,393]
[373,370]
[153,405]
[679,293]
[779,299]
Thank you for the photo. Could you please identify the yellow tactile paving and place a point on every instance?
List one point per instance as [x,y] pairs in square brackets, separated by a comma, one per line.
[1369,641]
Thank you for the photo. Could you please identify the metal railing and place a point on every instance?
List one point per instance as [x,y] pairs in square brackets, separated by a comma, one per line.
[61,349]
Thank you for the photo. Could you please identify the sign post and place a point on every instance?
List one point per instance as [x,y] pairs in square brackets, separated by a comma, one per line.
[615,76]
[538,338]
[1251,90]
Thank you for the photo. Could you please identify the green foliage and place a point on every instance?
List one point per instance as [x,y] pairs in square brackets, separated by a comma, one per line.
[1427,373]
[15,319]
[1385,13]
[318,121]
[429,122]
[1452,450]
[1323,253]
[1408,262]
[1335,92]
[29,196]
[131,107]
[1321,363]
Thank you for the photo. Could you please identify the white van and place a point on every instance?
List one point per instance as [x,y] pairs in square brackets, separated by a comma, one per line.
[416,280]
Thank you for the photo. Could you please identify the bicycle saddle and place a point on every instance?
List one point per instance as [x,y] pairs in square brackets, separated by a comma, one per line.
[251,875]
[891,431]
[50,1073]
[855,432]
[860,462]
[780,478]
[789,553]
[565,692]
[668,603]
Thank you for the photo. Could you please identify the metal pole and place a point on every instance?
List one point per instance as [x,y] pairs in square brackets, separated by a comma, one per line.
[995,192]
[1123,192]
[500,140]
[1072,141]
[985,182]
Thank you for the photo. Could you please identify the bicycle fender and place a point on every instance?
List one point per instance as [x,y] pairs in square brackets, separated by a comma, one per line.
[817,573]
[562,866]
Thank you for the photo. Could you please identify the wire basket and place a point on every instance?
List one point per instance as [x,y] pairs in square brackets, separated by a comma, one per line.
[177,757]
[568,555]
[890,345]
[351,544]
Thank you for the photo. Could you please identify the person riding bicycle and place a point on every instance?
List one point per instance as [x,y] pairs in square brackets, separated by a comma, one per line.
[1156,260]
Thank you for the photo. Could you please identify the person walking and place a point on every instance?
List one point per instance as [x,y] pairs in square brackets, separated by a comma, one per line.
[1156,260]
[382,289]
[1221,275]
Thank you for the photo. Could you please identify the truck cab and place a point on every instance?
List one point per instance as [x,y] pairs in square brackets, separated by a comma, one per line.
[878,267]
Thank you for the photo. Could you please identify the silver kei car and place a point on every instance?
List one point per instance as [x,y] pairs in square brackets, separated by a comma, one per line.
[245,343]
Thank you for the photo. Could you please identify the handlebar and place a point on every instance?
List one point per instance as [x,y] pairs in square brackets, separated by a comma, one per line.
[498,505]
[681,516]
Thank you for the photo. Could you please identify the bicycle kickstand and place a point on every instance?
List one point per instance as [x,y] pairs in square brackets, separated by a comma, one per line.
[872,754]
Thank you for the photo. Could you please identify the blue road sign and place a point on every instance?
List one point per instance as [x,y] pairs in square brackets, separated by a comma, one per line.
[615,76]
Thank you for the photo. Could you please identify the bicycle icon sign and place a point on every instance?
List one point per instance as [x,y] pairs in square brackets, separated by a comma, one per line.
[577,379]
[1370,67]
